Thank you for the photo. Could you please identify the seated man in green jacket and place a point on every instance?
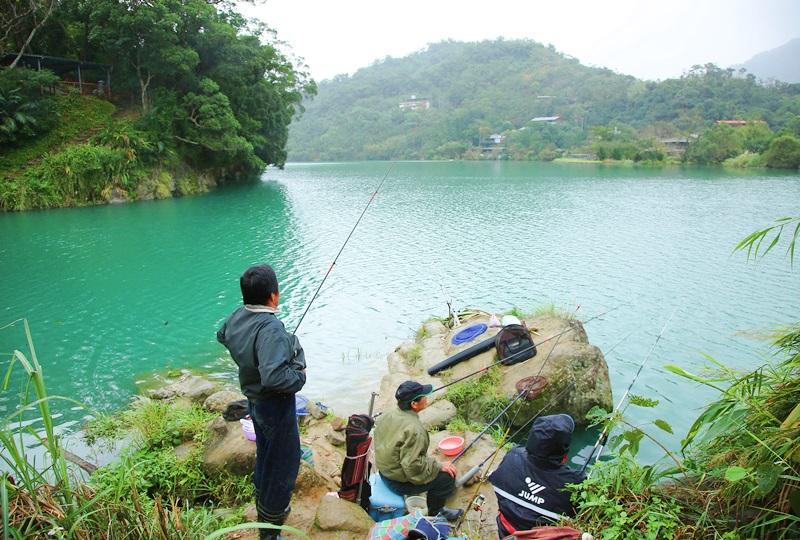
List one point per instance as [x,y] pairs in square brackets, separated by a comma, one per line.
[401,452]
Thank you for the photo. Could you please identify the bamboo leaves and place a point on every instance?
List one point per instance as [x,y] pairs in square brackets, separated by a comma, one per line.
[753,241]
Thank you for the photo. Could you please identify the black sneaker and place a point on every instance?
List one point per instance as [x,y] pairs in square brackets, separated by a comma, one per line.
[450,514]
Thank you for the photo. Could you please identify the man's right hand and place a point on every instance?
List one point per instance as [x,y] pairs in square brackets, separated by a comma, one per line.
[449,468]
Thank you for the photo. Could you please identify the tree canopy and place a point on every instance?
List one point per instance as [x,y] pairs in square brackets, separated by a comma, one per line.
[208,82]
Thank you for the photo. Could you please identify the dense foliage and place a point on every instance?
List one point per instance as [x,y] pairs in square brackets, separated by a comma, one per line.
[498,87]
[206,88]
[24,111]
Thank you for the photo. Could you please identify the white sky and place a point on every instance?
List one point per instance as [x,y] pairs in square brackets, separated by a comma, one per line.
[648,39]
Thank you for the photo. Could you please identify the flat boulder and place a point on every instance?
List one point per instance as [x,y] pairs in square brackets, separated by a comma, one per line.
[191,387]
[229,450]
[335,514]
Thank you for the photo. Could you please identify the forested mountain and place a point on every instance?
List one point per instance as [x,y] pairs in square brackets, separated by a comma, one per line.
[781,63]
[475,90]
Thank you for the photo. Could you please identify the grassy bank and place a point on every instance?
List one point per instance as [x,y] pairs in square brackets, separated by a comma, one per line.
[92,156]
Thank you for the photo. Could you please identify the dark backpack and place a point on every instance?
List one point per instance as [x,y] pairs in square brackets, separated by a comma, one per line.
[514,344]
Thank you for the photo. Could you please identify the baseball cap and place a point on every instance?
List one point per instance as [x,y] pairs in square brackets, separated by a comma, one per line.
[411,390]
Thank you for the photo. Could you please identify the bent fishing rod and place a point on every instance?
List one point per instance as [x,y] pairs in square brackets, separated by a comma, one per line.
[523,351]
[521,395]
[603,438]
[330,268]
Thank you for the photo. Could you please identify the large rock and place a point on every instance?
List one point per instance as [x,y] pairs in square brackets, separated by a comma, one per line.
[219,401]
[191,387]
[229,450]
[576,371]
[335,514]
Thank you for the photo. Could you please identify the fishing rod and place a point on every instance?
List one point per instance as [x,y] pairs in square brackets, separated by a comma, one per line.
[603,438]
[330,268]
[469,474]
[521,395]
[522,351]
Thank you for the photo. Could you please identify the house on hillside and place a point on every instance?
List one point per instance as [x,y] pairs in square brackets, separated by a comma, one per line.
[497,139]
[546,119]
[88,78]
[675,146]
[738,123]
[415,104]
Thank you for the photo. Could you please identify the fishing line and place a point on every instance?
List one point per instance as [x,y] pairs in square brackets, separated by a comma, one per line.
[603,438]
[330,268]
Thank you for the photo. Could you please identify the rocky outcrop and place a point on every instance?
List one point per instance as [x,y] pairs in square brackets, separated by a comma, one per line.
[190,387]
[575,370]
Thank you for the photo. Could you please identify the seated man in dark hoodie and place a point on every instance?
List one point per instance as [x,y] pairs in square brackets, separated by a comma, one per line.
[529,483]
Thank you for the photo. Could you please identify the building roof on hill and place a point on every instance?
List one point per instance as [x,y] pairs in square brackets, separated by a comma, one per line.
[54,63]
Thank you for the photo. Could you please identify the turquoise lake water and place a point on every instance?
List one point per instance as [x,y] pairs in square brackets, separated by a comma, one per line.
[115,292]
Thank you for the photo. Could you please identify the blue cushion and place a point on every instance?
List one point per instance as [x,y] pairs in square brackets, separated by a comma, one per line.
[384,503]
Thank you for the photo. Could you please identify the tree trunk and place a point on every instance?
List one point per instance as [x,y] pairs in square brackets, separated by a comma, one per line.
[36,27]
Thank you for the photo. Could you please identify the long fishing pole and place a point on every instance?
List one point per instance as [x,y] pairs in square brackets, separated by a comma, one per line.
[603,438]
[472,472]
[522,351]
[521,395]
[330,268]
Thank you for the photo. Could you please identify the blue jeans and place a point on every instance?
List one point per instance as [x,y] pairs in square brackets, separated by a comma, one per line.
[277,455]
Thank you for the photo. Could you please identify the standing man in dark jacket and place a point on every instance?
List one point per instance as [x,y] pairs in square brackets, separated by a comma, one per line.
[272,368]
[529,483]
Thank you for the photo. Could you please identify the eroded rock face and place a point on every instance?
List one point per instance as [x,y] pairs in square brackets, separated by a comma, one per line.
[335,514]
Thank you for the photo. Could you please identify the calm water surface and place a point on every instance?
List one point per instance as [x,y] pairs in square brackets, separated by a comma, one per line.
[115,292]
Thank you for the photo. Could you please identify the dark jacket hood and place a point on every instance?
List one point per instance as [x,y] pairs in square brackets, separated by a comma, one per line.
[549,438]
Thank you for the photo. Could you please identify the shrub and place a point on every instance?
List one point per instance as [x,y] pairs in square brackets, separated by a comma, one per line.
[783,153]
[24,110]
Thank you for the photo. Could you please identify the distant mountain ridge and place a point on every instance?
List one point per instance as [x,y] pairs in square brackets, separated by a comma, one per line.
[475,90]
[781,63]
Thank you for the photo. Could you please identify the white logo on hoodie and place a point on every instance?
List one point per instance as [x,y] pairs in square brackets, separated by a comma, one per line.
[533,489]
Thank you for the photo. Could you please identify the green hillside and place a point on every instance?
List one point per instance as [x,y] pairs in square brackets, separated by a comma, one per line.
[497,87]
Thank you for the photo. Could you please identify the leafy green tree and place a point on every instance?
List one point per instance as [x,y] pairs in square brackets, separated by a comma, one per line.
[716,145]
[783,153]
[24,110]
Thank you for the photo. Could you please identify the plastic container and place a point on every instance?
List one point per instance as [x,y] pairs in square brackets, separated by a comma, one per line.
[417,502]
[300,403]
[306,454]
[247,428]
[450,446]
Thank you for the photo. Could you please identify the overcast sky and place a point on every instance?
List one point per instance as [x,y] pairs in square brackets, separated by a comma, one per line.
[648,39]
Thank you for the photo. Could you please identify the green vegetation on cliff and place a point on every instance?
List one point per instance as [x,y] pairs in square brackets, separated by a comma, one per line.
[542,102]
[203,96]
